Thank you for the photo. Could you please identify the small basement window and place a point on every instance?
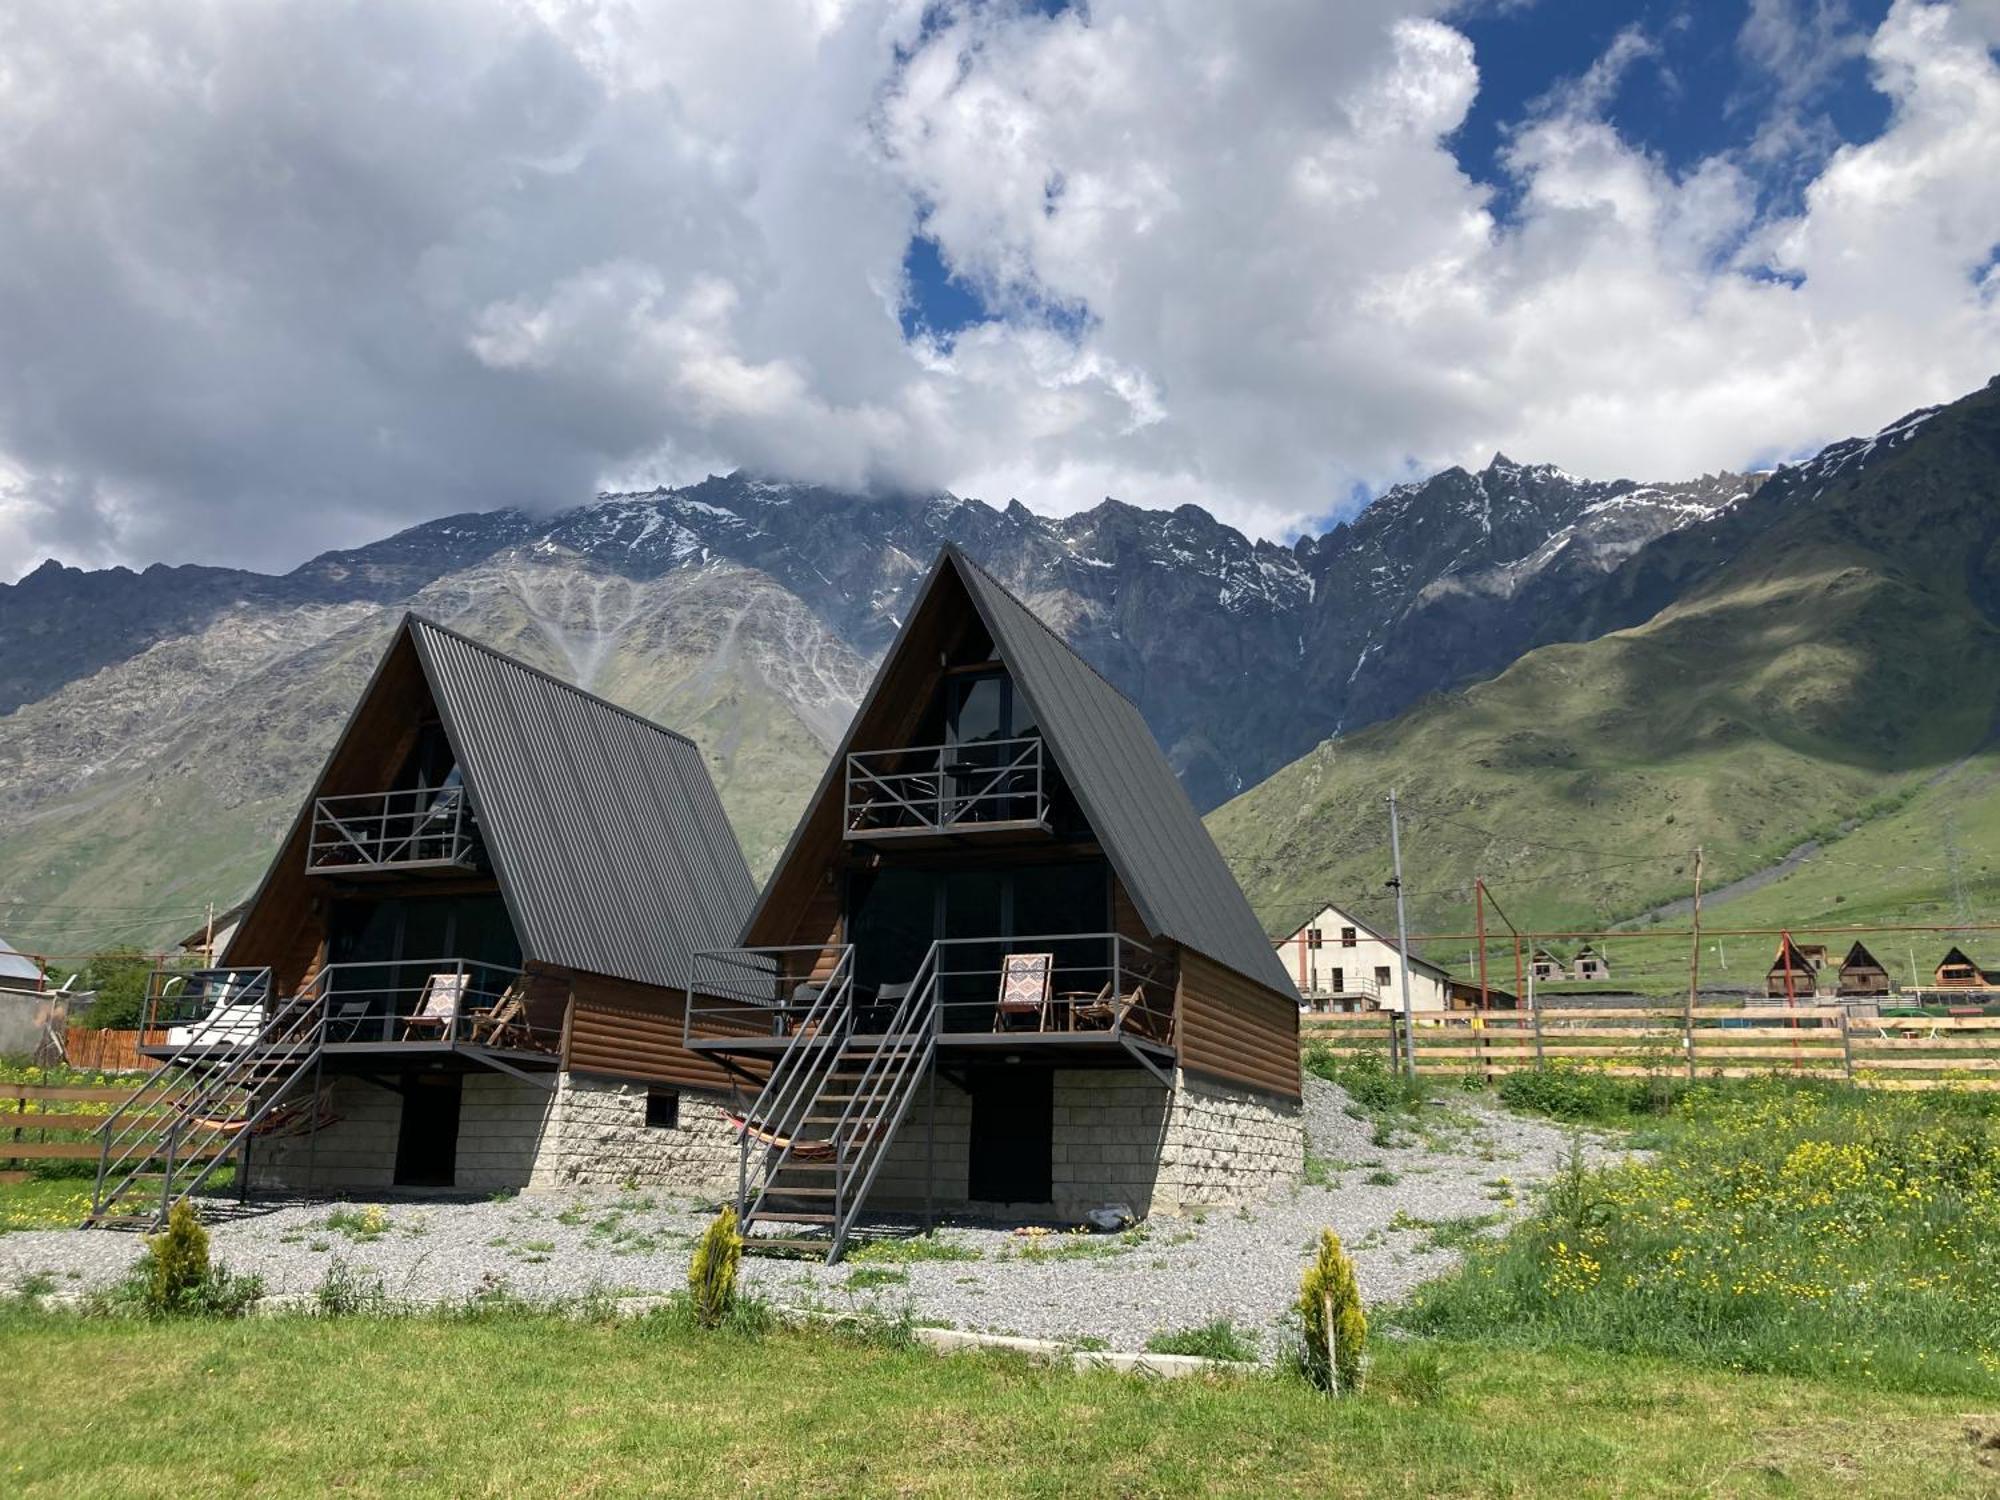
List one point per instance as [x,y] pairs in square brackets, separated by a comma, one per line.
[663,1109]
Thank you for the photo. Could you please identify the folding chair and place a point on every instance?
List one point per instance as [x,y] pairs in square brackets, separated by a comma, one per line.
[1024,991]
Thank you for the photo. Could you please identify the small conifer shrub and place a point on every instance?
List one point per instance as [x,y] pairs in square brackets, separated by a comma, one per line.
[176,1263]
[1334,1330]
[712,1272]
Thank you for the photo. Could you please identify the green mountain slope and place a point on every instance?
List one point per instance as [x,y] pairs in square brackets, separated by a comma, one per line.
[723,654]
[1845,653]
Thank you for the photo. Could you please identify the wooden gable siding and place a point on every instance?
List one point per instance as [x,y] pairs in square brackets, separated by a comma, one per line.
[283,927]
[819,926]
[1235,1031]
[896,706]
[623,1030]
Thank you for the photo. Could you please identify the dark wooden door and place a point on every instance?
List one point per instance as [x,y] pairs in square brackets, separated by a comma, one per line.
[1013,1135]
[427,1142]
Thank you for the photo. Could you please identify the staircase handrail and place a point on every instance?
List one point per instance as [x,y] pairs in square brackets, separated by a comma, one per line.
[309,1044]
[891,1077]
[820,1035]
[176,1070]
[190,1103]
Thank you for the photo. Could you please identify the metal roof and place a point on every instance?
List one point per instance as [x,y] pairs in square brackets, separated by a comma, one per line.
[605,831]
[15,965]
[1135,804]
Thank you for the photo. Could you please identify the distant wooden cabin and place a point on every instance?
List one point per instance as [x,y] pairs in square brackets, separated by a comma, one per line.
[1861,977]
[1001,963]
[1792,973]
[1956,971]
[475,944]
[1589,964]
[1547,966]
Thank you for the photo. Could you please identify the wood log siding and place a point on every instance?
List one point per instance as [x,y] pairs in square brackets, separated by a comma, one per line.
[622,1030]
[1235,1031]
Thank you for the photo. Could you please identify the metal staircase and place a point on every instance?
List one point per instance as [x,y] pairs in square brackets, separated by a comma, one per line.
[818,1133]
[239,1060]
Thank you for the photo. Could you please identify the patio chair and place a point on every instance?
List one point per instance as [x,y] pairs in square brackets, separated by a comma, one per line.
[1108,1011]
[1024,991]
[437,1004]
[504,1023]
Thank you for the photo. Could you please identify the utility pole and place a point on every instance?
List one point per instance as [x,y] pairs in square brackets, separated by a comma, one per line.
[208,941]
[1479,921]
[1402,938]
[1694,968]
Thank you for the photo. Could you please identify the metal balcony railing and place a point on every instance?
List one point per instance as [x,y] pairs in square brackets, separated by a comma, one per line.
[944,788]
[449,1000]
[394,830]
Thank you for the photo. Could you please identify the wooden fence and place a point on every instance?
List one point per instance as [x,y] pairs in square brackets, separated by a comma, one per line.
[43,1122]
[111,1051]
[1807,1041]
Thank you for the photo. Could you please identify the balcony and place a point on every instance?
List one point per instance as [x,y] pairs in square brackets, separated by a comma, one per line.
[415,1005]
[1069,992]
[393,833]
[934,793]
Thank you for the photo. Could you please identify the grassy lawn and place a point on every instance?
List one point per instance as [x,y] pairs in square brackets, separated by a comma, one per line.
[526,1405]
[44,1203]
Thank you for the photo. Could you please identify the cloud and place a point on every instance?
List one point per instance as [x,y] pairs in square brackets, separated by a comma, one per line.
[282,276]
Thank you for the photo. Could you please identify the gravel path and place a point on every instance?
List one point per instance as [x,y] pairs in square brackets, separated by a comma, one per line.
[1467,1159]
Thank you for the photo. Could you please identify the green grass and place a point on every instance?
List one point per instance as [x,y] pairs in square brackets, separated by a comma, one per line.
[896,1252]
[514,1405]
[1219,1339]
[1795,1228]
[44,1203]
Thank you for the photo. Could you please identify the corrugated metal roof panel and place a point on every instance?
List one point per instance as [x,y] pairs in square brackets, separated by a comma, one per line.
[605,831]
[13,965]
[1136,805]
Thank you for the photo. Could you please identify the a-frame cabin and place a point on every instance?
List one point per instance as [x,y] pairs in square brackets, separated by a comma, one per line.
[1792,973]
[1861,977]
[1001,964]
[467,966]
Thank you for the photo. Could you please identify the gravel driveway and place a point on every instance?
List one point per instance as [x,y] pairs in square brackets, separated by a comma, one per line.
[1467,1160]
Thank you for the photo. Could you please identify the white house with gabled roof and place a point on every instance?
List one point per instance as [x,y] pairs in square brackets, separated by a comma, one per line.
[1339,963]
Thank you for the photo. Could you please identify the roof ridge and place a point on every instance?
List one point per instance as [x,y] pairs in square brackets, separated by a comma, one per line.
[412,617]
[1021,604]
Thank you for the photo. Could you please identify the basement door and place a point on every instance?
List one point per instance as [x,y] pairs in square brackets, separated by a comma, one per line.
[1013,1135]
[427,1141]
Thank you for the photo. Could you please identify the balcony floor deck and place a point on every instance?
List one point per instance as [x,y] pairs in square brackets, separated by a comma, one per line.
[929,835]
[1079,1045]
[351,1057]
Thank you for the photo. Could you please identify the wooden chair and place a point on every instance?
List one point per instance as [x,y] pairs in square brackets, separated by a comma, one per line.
[1024,991]
[1108,1010]
[504,1022]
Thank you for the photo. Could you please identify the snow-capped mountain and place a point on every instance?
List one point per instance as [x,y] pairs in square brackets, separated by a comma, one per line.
[749,611]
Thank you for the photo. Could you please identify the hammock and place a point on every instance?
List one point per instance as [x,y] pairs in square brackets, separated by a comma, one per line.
[288,1119]
[742,1126]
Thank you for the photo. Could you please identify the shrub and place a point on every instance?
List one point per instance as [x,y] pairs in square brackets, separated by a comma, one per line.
[1333,1329]
[1565,1091]
[176,1262]
[1368,1080]
[712,1272]
[1219,1339]
[174,1276]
